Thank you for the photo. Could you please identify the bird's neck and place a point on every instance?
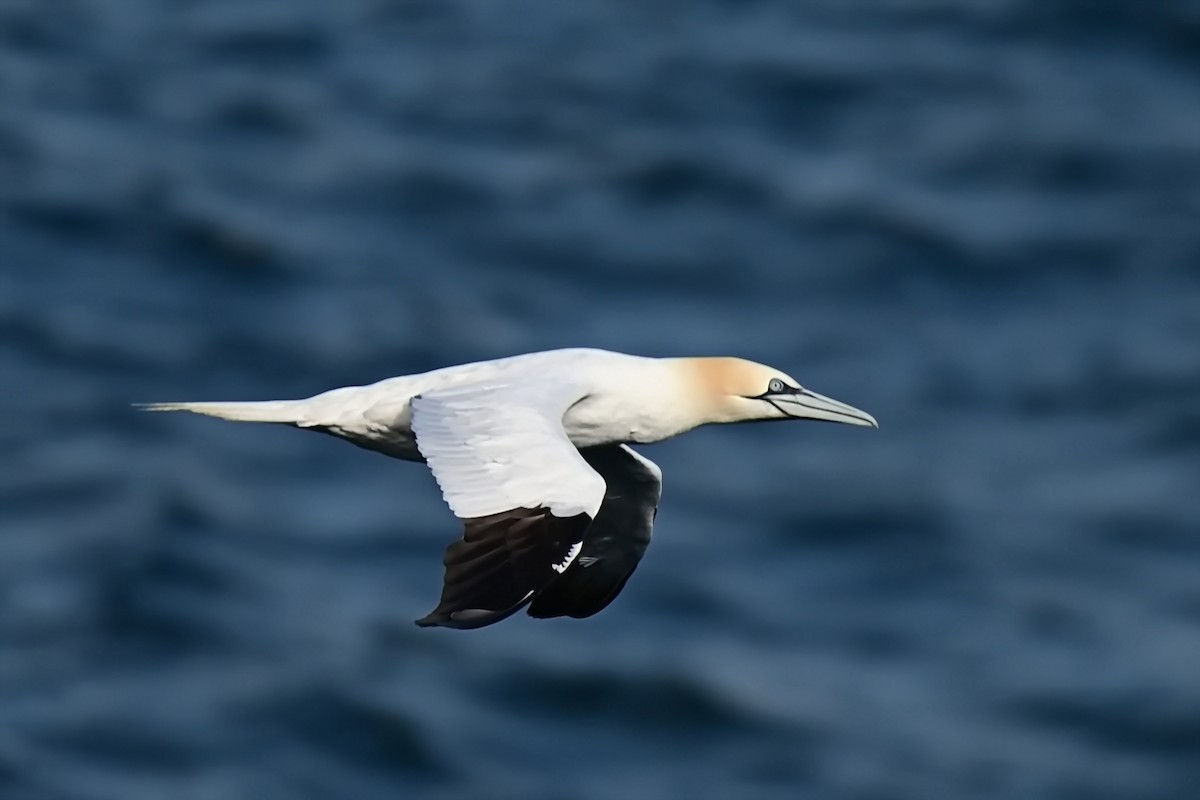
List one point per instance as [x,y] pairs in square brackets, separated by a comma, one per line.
[645,401]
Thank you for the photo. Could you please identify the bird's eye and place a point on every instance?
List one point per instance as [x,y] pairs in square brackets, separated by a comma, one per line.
[776,386]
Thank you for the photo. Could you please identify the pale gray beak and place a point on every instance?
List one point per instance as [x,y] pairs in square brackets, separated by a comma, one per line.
[810,405]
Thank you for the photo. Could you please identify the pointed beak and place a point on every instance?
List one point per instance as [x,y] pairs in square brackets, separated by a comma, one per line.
[810,405]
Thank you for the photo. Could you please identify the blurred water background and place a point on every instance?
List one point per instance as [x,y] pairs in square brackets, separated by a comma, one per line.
[979,220]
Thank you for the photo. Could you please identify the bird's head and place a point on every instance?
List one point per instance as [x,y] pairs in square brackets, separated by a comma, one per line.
[736,390]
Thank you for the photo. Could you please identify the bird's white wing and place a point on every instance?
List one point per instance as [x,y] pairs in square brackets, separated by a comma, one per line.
[497,447]
[525,494]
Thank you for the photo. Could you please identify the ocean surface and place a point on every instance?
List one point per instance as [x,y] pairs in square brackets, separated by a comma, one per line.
[978,220]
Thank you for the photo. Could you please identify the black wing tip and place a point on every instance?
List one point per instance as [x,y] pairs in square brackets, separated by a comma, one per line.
[501,562]
[479,617]
[466,619]
[434,619]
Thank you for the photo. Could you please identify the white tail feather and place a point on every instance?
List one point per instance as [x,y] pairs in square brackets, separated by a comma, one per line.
[286,411]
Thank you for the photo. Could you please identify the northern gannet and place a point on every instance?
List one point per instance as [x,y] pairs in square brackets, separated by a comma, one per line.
[532,454]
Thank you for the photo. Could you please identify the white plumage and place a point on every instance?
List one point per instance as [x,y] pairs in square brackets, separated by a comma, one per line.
[493,448]
[531,452]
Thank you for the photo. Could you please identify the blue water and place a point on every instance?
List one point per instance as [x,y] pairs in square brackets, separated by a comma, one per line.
[979,221]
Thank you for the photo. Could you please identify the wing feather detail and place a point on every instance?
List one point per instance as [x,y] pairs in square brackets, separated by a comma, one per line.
[523,491]
[493,448]
[501,562]
[616,541]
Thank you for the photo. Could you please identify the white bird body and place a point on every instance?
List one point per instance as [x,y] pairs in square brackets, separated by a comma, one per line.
[624,398]
[531,452]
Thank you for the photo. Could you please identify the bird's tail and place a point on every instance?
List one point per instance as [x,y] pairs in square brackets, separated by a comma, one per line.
[282,411]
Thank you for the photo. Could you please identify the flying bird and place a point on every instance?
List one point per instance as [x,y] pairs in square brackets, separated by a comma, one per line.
[532,453]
